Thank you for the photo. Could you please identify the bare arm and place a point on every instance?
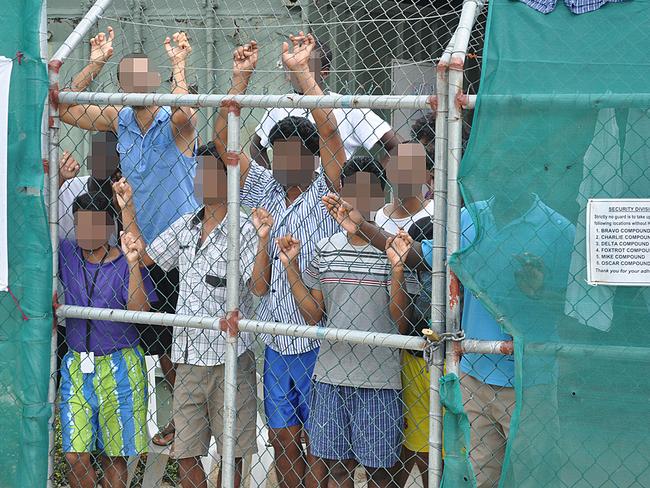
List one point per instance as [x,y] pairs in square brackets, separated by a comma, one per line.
[259,153]
[183,118]
[332,153]
[310,302]
[244,62]
[91,117]
[400,302]
[137,295]
[125,200]
[260,280]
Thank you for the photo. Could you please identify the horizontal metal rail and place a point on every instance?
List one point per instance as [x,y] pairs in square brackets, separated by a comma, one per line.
[381,102]
[255,326]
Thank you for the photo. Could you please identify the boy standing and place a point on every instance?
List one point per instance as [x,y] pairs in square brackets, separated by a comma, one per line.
[294,201]
[356,410]
[196,243]
[103,381]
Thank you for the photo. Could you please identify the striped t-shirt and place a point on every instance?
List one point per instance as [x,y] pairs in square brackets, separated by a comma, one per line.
[355,283]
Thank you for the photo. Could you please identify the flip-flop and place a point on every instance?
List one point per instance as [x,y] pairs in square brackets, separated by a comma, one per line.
[160,438]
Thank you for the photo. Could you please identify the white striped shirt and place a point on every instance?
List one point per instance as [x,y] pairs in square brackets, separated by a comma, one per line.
[307,220]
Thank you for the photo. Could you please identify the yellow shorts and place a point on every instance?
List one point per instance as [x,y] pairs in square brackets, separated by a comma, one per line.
[415,391]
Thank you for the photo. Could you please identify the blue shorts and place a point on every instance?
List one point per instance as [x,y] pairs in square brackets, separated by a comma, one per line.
[356,423]
[287,387]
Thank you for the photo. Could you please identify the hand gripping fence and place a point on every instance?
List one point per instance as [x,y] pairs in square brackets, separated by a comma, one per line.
[447,102]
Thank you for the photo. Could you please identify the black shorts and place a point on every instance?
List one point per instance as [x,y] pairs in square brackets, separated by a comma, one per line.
[157,339]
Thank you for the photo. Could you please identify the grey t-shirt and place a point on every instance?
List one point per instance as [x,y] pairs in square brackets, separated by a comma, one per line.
[355,282]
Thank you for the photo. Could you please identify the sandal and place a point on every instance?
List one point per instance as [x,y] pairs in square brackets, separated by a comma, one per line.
[165,437]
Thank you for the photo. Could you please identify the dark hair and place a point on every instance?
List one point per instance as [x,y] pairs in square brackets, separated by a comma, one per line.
[130,56]
[425,127]
[325,54]
[300,127]
[364,164]
[103,187]
[421,229]
[94,202]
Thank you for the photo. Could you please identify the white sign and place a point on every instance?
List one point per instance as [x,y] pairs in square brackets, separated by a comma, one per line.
[5,79]
[618,242]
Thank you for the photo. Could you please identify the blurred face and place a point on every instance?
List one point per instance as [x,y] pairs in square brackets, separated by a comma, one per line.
[211,184]
[363,191]
[93,229]
[135,76]
[103,159]
[293,163]
[406,170]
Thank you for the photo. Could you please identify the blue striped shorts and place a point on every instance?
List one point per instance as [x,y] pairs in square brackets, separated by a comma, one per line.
[355,423]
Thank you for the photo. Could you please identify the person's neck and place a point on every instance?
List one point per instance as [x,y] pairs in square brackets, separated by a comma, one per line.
[214,213]
[407,207]
[293,192]
[145,116]
[97,255]
[505,211]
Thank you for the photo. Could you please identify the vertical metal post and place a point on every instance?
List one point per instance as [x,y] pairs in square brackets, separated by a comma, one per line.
[454,154]
[438,277]
[232,300]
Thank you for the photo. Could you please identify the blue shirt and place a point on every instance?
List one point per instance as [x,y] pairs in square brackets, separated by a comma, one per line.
[161,176]
[490,262]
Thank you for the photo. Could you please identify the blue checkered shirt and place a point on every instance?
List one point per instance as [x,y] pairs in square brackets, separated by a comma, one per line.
[308,221]
[576,6]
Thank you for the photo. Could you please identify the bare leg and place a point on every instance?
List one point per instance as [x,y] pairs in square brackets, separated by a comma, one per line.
[341,473]
[317,471]
[191,473]
[238,473]
[115,472]
[289,456]
[82,474]
[168,370]
[380,477]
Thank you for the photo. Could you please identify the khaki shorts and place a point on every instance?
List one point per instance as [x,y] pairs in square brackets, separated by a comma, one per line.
[198,408]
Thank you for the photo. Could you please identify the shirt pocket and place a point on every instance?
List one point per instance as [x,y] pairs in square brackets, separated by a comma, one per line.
[216,286]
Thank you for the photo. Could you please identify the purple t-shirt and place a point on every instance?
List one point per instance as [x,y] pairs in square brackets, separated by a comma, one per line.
[111,291]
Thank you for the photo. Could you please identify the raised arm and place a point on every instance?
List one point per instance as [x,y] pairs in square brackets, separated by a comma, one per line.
[332,153]
[68,168]
[183,118]
[243,65]
[137,297]
[353,222]
[124,194]
[92,117]
[401,312]
[260,280]
[310,302]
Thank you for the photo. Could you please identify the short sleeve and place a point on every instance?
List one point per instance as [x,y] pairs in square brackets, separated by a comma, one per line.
[311,275]
[366,127]
[260,185]
[165,249]
[427,252]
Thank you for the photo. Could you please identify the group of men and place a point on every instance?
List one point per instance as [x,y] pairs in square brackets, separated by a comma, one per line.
[320,247]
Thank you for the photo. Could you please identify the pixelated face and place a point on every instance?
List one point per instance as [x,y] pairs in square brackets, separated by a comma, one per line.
[92,228]
[103,159]
[135,76]
[363,191]
[406,170]
[293,163]
[211,183]
[315,68]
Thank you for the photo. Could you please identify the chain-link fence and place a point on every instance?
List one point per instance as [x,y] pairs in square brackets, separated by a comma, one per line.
[227,312]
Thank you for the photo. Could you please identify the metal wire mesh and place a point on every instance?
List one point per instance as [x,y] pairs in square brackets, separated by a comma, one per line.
[364,399]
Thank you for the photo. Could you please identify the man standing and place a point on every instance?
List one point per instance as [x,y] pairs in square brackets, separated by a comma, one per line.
[293,198]
[156,146]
